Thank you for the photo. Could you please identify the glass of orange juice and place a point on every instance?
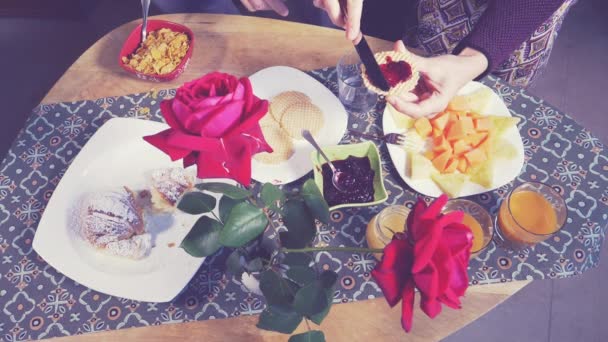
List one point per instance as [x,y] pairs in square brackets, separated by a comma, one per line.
[531,213]
[477,219]
[384,225]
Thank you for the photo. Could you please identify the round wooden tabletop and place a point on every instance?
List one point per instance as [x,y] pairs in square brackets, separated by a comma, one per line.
[243,45]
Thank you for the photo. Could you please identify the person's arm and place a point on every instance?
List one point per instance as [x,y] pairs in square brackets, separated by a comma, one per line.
[504,26]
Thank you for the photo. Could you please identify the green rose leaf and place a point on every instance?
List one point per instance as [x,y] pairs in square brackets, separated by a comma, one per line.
[276,290]
[229,190]
[302,275]
[309,336]
[234,264]
[272,196]
[297,259]
[328,279]
[314,201]
[318,318]
[244,223]
[226,205]
[254,265]
[301,228]
[311,299]
[203,238]
[280,319]
[196,203]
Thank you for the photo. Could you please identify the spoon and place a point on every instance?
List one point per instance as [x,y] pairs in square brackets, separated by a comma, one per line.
[336,175]
[145,6]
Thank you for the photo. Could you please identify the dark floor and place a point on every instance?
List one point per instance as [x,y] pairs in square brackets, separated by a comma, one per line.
[36,49]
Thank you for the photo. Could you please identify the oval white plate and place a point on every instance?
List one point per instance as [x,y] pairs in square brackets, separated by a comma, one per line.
[116,155]
[274,80]
[504,171]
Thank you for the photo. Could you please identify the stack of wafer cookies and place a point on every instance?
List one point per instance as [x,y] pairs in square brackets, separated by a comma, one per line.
[289,113]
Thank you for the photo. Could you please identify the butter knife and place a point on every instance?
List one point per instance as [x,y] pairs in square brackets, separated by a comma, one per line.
[367,56]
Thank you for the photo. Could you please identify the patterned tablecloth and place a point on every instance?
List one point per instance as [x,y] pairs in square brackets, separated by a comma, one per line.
[37,301]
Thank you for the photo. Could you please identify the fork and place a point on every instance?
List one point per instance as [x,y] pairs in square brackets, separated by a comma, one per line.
[410,141]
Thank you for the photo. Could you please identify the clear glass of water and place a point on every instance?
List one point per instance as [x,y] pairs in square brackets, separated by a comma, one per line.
[352,92]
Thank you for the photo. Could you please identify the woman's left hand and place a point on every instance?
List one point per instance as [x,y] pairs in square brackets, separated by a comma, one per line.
[440,79]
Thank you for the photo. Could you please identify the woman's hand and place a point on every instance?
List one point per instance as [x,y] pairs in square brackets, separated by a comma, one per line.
[266,5]
[352,24]
[440,79]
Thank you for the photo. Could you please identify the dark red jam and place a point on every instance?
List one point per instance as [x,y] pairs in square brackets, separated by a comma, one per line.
[395,72]
[357,181]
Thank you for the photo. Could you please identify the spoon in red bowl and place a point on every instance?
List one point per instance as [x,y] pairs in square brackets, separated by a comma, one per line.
[338,177]
[145,6]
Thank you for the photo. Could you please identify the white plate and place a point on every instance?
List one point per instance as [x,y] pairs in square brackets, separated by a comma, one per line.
[115,156]
[504,172]
[274,80]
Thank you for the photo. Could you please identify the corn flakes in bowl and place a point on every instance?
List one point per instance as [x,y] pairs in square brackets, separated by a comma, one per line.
[164,54]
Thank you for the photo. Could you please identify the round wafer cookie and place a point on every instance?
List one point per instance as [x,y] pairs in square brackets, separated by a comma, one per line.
[279,103]
[268,120]
[281,145]
[302,115]
[402,87]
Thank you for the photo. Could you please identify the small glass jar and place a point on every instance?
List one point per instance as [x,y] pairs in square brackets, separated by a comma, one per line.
[384,225]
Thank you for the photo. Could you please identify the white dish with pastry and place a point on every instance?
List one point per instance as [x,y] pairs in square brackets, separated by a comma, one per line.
[297,101]
[111,223]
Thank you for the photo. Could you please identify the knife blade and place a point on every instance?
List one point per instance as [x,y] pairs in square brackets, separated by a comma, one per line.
[366,55]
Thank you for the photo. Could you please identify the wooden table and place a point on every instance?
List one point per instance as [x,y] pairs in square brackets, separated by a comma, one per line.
[242,45]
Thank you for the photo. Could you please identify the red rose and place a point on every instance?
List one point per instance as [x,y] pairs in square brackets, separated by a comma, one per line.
[432,256]
[214,124]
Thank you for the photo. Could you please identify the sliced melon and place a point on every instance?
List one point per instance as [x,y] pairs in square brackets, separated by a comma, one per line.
[420,167]
[484,174]
[467,124]
[462,165]
[474,102]
[402,121]
[502,123]
[475,157]
[456,131]
[423,127]
[504,149]
[450,183]
[441,144]
[440,121]
[461,147]
[483,124]
[451,166]
[475,139]
[441,160]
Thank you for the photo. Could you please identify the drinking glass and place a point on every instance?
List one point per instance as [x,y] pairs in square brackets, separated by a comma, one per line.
[484,231]
[531,213]
[353,94]
[384,225]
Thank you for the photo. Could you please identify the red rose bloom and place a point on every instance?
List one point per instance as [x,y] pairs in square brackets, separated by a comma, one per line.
[214,124]
[432,256]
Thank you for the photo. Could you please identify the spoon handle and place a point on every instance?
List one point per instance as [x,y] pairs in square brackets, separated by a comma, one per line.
[306,134]
[145,6]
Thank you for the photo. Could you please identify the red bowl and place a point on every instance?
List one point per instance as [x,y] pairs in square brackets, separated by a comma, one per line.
[134,39]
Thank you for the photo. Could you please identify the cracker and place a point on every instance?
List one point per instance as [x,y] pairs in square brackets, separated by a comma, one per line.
[402,87]
[302,115]
[279,103]
[281,145]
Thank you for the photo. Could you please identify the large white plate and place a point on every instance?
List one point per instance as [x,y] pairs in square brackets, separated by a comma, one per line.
[274,80]
[115,156]
[504,172]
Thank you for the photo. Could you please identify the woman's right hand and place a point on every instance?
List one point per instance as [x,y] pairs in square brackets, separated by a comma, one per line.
[354,8]
[266,5]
